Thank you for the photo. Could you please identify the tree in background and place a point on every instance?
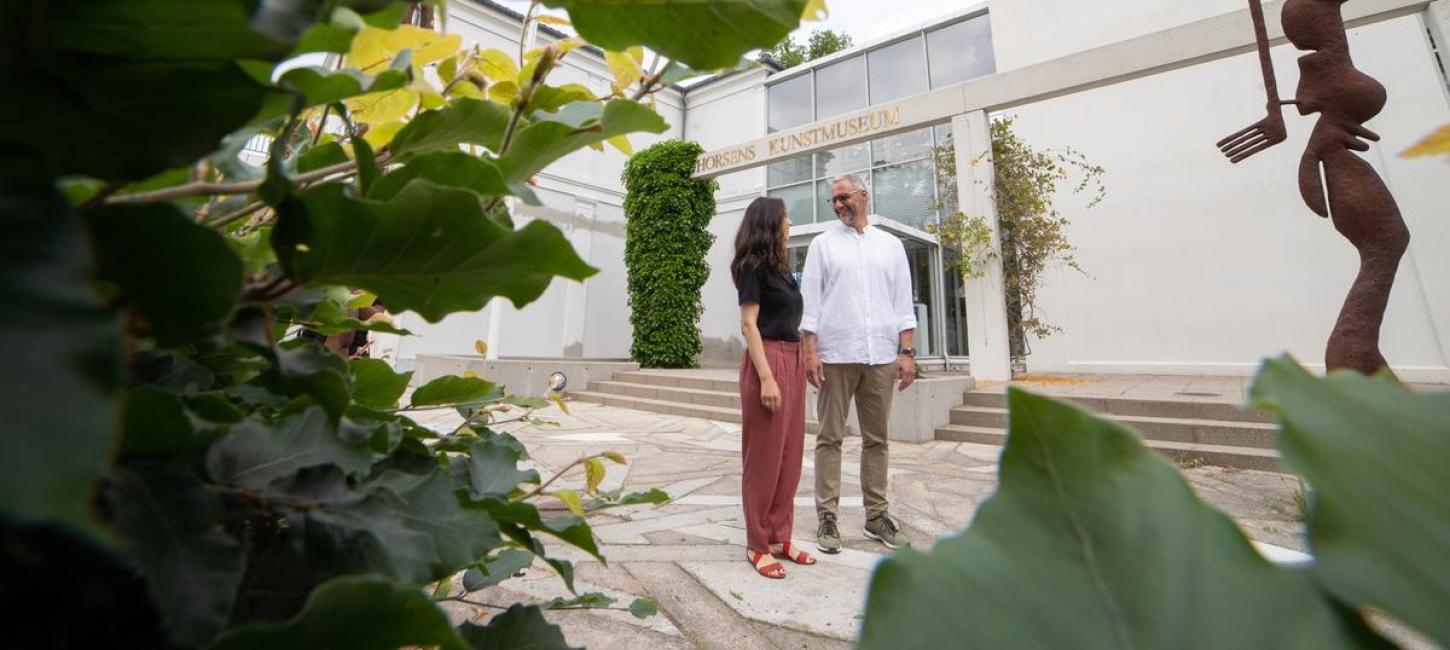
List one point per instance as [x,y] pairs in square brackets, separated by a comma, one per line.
[667,215]
[823,42]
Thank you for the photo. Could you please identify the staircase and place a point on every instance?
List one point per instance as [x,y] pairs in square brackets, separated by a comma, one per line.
[1188,432]
[712,395]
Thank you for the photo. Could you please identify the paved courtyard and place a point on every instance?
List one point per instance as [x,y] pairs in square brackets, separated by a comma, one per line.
[689,554]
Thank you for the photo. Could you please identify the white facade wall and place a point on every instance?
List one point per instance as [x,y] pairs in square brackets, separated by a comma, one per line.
[720,114]
[1200,266]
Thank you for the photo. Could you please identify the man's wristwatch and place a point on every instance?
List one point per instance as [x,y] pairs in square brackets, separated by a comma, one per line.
[907,352]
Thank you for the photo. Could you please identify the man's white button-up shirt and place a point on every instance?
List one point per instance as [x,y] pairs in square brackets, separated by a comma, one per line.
[857,291]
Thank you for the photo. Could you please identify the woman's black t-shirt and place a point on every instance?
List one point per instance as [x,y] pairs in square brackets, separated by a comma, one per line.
[779,298]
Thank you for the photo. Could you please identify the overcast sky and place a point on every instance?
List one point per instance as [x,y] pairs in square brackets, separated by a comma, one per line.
[863,20]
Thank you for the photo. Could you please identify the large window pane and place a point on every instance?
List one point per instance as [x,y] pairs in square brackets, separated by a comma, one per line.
[790,103]
[785,172]
[913,145]
[960,52]
[898,70]
[840,87]
[845,160]
[799,201]
[906,193]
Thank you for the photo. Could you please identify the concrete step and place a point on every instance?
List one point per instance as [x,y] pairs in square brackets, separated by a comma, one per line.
[722,414]
[669,407]
[1167,429]
[668,393]
[1161,408]
[1180,452]
[682,380]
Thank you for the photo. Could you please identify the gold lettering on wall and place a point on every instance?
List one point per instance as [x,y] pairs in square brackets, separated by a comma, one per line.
[826,134]
[727,158]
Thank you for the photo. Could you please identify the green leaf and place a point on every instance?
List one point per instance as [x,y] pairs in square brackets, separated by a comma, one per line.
[1374,454]
[306,368]
[66,363]
[353,612]
[615,499]
[367,164]
[706,35]
[570,499]
[154,423]
[593,475]
[554,135]
[552,98]
[1089,520]
[571,529]
[407,526]
[447,169]
[325,154]
[644,607]
[323,86]
[375,385]
[158,30]
[255,454]
[465,121]
[498,569]
[147,249]
[518,627]
[124,121]
[428,250]
[493,469]
[174,535]
[593,599]
[451,390]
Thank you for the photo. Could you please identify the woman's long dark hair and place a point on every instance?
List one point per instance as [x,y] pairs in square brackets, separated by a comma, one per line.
[759,241]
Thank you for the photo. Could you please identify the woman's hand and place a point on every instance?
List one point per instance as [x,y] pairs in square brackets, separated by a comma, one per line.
[770,395]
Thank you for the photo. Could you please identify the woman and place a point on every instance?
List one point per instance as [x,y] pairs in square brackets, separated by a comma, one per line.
[772,386]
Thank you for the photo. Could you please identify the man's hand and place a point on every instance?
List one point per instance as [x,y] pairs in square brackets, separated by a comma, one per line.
[905,371]
[815,371]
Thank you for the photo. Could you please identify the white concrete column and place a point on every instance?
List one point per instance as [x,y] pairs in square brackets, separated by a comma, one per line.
[576,295]
[987,339]
[1437,18]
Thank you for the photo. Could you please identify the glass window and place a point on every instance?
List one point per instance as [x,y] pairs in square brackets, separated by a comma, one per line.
[792,170]
[790,103]
[840,87]
[898,70]
[906,193]
[960,52]
[900,148]
[799,201]
[845,160]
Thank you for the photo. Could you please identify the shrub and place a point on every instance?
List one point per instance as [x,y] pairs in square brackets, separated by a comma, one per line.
[667,214]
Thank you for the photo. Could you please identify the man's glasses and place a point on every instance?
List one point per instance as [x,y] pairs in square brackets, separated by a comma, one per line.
[841,198]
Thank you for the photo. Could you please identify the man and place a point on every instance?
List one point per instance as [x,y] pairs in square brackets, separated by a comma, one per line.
[857,334]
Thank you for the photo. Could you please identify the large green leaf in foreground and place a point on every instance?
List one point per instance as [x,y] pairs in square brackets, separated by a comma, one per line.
[1376,457]
[708,34]
[356,613]
[64,361]
[1092,541]
[429,249]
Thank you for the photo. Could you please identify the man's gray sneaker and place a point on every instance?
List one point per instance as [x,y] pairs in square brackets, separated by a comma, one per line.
[882,529]
[828,539]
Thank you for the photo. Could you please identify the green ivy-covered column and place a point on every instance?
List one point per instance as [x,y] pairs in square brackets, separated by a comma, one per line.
[667,216]
[988,343]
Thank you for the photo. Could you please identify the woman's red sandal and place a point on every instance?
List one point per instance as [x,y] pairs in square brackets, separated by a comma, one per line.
[774,570]
[788,551]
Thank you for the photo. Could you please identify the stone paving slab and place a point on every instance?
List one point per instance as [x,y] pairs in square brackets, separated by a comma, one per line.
[690,554]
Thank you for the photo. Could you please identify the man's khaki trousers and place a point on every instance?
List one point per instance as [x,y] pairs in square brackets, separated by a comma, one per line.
[871,387]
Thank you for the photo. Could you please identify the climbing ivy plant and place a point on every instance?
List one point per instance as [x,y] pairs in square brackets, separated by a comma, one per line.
[185,184]
[667,218]
[1032,233]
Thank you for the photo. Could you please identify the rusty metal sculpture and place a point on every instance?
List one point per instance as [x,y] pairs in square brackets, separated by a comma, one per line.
[1348,190]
